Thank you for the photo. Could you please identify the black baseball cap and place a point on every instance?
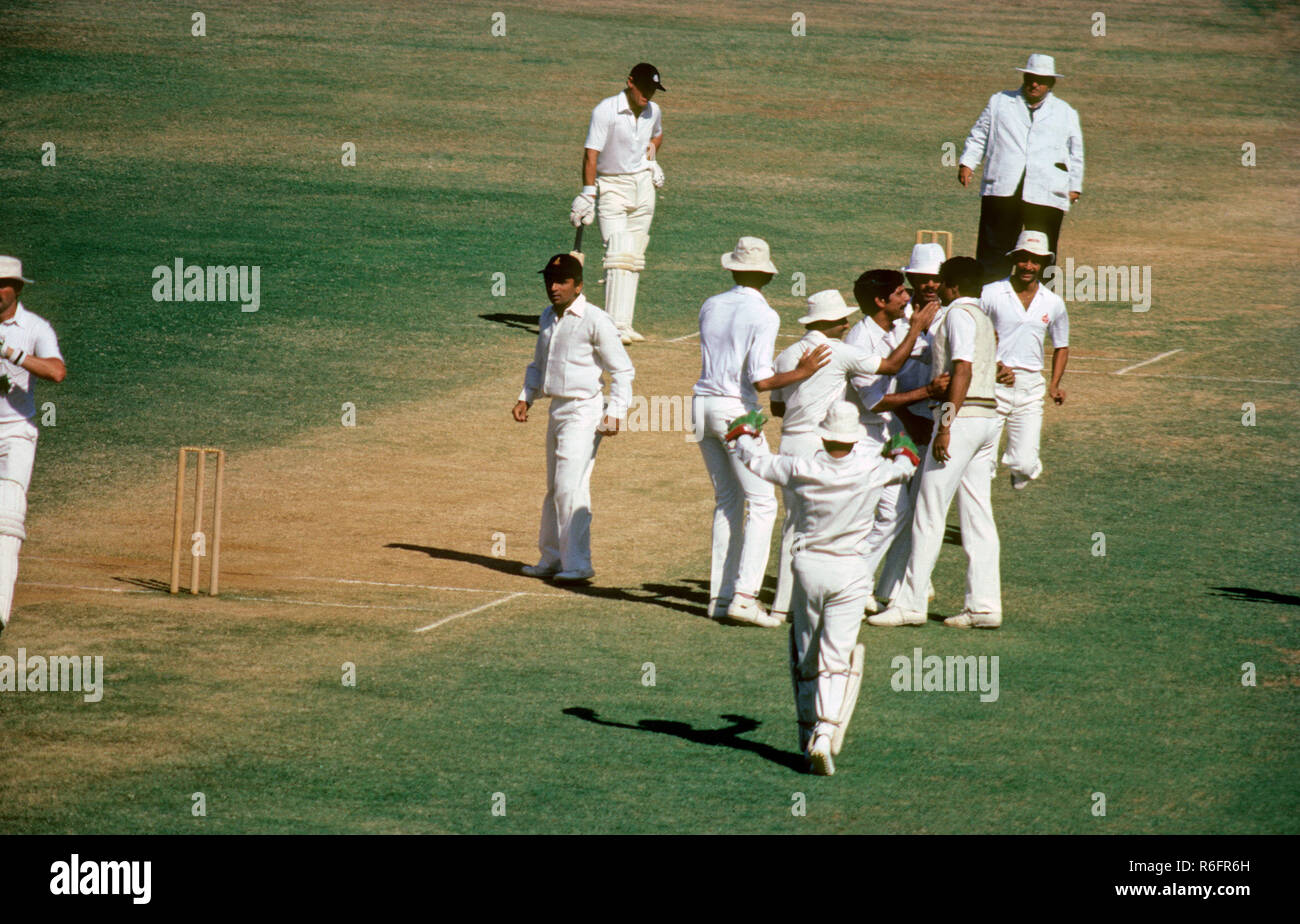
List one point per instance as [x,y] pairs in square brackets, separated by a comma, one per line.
[646,78]
[563,266]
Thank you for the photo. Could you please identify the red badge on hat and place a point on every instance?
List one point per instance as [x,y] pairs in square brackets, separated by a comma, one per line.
[1044,319]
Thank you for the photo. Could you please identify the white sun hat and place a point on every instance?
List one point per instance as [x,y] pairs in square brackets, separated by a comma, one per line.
[12,268]
[1034,242]
[751,255]
[1040,66]
[842,425]
[827,305]
[926,259]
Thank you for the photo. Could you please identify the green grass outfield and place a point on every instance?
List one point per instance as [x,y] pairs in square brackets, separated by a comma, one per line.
[1119,674]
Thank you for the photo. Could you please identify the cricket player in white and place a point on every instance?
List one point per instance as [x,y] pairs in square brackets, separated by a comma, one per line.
[803,406]
[1023,311]
[837,489]
[959,463]
[28,349]
[576,342]
[737,339]
[620,166]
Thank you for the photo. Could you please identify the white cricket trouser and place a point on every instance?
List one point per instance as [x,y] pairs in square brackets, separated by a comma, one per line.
[626,202]
[835,590]
[17,456]
[1020,407]
[803,446]
[892,535]
[968,473]
[740,542]
[571,443]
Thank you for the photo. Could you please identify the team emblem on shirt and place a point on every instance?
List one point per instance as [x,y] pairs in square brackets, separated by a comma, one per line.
[1044,319]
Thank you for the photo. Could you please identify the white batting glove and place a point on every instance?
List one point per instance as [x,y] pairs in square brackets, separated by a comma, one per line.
[583,210]
[12,353]
[656,174]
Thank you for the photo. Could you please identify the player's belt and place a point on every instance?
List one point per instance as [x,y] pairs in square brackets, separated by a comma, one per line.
[979,402]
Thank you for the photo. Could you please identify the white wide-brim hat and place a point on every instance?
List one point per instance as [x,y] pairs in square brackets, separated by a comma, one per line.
[842,425]
[926,259]
[1040,66]
[827,305]
[12,268]
[1034,242]
[751,255]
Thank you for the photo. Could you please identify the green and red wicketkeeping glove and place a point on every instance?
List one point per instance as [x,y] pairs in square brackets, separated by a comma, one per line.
[750,424]
[900,444]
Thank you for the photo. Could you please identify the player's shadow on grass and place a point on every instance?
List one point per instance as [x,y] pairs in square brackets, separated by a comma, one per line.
[528,322]
[728,737]
[682,599]
[1250,595]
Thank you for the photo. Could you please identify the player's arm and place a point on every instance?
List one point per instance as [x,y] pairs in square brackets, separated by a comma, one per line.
[589,166]
[957,388]
[809,363]
[50,368]
[1060,356]
[744,436]
[976,144]
[612,357]
[532,382]
[652,152]
[921,319]
[1074,144]
[934,391]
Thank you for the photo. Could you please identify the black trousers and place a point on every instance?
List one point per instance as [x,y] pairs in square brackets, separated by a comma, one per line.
[1002,218]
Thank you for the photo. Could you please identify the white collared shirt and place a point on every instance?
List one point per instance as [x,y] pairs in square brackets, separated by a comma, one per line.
[1021,330]
[807,402]
[1046,149]
[622,137]
[837,497]
[738,331]
[572,352]
[866,390]
[32,334]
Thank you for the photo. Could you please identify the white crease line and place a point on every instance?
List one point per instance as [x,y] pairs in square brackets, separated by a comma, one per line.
[1202,378]
[477,609]
[107,590]
[683,337]
[1147,362]
[468,590]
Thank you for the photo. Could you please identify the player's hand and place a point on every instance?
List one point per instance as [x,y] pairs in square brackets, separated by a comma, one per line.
[520,412]
[939,445]
[609,426]
[1058,395]
[813,360]
[923,317]
[656,174]
[964,174]
[583,209]
[1074,197]
[1006,375]
[938,387]
[12,353]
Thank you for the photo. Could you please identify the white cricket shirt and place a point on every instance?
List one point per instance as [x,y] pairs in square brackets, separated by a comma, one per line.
[738,331]
[32,334]
[622,137]
[807,402]
[837,497]
[1021,330]
[866,390]
[571,354]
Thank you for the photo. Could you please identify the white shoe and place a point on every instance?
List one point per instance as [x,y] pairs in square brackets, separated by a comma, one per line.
[636,338]
[625,336]
[856,660]
[893,616]
[1020,482]
[820,760]
[575,576]
[872,605]
[781,618]
[749,612]
[968,620]
[540,570]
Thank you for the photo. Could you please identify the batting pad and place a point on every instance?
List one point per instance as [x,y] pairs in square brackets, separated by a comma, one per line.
[9,546]
[13,509]
[623,265]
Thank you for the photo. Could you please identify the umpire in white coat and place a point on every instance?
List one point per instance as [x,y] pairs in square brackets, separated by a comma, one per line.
[1034,172]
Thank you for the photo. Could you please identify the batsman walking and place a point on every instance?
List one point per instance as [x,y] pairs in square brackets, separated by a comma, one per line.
[620,174]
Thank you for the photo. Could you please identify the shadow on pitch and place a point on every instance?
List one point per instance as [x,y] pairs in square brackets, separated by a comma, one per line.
[528,322]
[728,737]
[681,597]
[1250,595]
